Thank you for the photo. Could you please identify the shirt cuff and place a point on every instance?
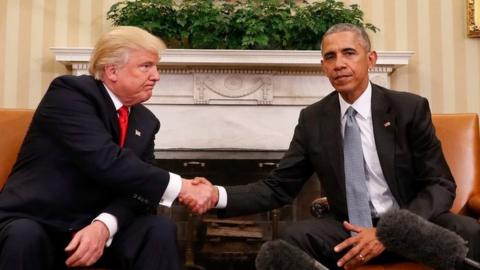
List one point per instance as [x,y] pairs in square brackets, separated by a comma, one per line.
[112,225]
[222,198]
[171,192]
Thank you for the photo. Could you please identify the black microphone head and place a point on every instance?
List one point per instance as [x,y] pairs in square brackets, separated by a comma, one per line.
[419,240]
[280,255]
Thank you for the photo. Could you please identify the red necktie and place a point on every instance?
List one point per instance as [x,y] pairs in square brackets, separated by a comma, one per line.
[123,123]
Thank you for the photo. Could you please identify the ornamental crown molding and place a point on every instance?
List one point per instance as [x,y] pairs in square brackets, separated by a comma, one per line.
[235,58]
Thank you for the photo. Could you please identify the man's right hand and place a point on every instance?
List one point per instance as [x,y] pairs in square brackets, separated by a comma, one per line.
[87,245]
[199,195]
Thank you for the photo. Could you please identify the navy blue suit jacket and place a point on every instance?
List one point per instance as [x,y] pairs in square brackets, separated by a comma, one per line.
[70,167]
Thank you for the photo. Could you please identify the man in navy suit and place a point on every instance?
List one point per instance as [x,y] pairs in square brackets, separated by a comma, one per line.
[82,189]
[403,162]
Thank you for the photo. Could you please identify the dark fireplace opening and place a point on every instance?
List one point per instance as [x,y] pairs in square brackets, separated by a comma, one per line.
[207,242]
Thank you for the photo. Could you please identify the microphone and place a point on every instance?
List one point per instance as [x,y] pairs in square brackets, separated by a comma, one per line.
[280,255]
[420,240]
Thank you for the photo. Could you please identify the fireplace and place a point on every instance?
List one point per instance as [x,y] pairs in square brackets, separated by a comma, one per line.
[229,115]
[210,243]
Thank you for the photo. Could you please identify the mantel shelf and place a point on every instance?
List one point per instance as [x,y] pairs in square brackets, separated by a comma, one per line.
[264,58]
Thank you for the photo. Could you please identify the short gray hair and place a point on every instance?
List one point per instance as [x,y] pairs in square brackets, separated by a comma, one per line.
[348,27]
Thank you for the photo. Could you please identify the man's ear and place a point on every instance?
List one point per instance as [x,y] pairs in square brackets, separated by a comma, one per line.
[372,59]
[110,72]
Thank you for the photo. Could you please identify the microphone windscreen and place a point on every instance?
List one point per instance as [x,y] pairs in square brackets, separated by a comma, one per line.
[419,240]
[280,255]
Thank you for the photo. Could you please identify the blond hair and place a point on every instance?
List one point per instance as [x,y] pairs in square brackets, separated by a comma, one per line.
[114,46]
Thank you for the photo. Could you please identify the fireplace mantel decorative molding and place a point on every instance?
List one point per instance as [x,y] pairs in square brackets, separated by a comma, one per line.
[228,99]
[229,58]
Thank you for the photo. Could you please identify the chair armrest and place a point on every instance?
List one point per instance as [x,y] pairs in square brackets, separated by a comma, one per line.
[474,204]
[319,207]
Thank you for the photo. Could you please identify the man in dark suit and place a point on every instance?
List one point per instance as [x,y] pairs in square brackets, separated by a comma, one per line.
[85,179]
[403,164]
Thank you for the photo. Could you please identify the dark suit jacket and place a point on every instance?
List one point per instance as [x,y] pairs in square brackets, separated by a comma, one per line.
[70,167]
[410,156]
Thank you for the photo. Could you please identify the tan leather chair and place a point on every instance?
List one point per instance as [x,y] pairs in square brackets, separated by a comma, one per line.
[459,135]
[13,124]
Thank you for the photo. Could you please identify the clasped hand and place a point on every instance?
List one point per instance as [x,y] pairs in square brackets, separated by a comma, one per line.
[198,194]
[363,247]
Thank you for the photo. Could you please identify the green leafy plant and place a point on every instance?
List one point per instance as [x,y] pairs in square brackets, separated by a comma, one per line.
[243,24]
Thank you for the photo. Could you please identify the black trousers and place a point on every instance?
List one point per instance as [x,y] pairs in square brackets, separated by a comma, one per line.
[148,243]
[318,237]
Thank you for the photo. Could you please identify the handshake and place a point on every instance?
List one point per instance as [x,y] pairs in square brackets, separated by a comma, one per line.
[198,194]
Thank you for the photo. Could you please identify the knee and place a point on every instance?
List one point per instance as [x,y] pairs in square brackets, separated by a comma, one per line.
[25,234]
[292,234]
[162,230]
[25,230]
[303,233]
[469,230]
[467,227]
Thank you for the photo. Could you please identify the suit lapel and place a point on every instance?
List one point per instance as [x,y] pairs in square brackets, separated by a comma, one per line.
[114,127]
[132,132]
[111,113]
[384,127]
[331,126]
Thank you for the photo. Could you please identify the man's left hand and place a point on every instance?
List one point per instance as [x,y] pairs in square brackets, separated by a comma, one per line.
[364,246]
[87,245]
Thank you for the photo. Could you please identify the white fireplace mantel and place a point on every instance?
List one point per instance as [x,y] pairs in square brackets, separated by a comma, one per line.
[234,99]
[278,58]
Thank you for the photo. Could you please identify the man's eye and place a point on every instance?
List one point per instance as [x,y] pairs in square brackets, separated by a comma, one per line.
[145,67]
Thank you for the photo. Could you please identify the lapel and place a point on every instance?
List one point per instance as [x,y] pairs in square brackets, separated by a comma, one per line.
[330,124]
[133,131]
[114,126]
[111,113]
[384,127]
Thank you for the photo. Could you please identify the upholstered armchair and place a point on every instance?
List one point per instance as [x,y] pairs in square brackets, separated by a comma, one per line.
[13,124]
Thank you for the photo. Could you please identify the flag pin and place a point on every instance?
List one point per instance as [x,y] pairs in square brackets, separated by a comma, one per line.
[138,133]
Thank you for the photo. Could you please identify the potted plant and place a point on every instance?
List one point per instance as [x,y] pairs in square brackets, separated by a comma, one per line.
[246,24]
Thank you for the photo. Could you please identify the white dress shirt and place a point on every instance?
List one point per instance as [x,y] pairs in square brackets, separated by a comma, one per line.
[381,197]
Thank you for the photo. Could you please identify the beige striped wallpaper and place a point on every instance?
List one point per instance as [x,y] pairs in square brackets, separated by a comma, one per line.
[445,67]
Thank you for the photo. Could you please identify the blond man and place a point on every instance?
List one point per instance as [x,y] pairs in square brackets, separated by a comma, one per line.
[83,187]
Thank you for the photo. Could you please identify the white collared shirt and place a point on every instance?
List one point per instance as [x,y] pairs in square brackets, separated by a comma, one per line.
[381,197]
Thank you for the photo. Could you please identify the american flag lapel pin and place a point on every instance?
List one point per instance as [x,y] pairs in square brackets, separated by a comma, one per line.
[138,133]
[387,124]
